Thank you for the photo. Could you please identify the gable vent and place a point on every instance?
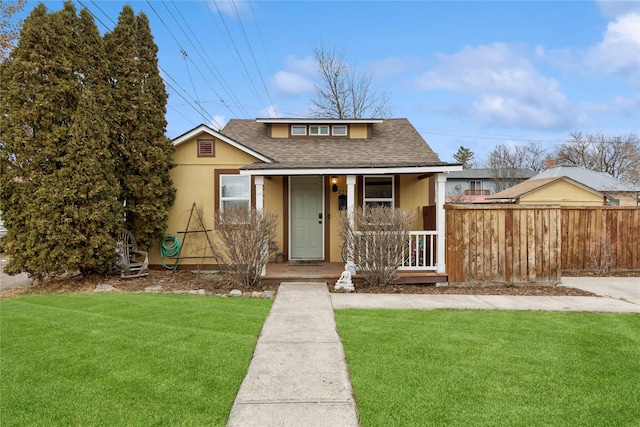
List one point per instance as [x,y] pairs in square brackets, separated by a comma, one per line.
[206,148]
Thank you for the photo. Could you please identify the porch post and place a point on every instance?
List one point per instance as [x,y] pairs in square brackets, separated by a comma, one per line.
[259,183]
[351,204]
[441,179]
[351,198]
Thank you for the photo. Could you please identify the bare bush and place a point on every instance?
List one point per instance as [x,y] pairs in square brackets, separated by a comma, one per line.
[377,243]
[602,259]
[244,243]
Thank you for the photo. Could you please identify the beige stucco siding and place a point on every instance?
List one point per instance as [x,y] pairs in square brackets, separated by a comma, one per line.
[279,130]
[414,194]
[358,131]
[562,193]
[193,178]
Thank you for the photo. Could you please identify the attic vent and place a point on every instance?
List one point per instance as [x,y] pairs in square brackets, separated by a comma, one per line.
[206,148]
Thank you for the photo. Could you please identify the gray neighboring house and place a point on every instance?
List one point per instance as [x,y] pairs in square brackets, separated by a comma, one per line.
[617,193]
[474,185]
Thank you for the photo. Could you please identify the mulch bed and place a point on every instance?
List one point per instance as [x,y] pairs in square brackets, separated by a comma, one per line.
[221,284]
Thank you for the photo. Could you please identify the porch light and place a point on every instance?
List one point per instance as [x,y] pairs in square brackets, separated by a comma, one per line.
[334,183]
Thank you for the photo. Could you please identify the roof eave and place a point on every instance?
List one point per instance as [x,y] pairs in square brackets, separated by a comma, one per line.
[211,132]
[318,120]
[351,170]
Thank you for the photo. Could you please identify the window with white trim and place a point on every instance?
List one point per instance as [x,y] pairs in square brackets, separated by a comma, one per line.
[235,191]
[319,130]
[378,191]
[339,130]
[298,130]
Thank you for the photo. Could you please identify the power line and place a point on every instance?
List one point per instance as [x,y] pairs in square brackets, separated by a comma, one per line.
[208,62]
[237,51]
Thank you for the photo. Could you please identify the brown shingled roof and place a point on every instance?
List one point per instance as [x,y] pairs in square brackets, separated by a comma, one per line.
[393,143]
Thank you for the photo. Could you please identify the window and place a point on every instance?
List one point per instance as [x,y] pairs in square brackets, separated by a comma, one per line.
[339,130]
[475,185]
[206,148]
[298,130]
[235,191]
[319,130]
[378,191]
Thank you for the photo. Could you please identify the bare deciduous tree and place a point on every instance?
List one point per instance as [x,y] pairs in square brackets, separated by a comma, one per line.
[244,243]
[618,156]
[343,93]
[377,243]
[507,161]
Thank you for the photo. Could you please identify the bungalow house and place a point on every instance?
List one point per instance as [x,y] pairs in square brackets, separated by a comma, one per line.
[308,171]
[559,190]
[617,192]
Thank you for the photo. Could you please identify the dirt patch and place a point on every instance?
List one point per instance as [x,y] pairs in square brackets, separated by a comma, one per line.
[220,284]
[170,281]
[522,290]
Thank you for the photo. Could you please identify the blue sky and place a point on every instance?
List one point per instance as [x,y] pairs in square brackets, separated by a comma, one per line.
[476,73]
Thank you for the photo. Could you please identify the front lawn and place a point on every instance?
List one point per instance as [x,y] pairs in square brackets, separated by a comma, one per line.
[124,359]
[493,368]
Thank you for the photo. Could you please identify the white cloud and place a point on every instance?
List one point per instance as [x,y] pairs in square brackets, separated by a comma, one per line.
[508,89]
[292,84]
[619,50]
[297,77]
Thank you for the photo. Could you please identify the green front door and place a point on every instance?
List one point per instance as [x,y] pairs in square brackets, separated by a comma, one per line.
[306,217]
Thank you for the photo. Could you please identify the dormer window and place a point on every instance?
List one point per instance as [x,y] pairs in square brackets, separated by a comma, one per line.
[319,130]
[298,130]
[340,130]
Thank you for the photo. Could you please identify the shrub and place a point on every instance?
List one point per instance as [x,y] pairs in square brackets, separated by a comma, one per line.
[377,243]
[244,247]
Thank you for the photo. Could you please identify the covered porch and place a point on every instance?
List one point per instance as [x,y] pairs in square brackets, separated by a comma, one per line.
[425,251]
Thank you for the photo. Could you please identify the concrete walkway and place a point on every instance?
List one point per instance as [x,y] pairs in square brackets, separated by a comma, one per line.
[298,374]
[483,302]
[623,288]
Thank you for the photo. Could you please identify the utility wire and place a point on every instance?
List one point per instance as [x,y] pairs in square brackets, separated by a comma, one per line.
[207,62]
[253,56]
[238,56]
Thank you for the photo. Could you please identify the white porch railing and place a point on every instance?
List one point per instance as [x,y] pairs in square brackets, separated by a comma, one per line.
[418,254]
[421,251]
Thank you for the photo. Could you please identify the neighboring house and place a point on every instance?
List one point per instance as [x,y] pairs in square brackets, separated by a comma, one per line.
[559,190]
[308,171]
[474,185]
[617,193]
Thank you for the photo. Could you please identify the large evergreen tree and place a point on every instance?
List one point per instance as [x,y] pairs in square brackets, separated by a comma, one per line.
[143,152]
[58,184]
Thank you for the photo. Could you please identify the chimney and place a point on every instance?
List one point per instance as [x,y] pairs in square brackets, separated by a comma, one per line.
[550,163]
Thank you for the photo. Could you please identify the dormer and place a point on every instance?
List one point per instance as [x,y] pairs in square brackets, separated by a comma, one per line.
[287,128]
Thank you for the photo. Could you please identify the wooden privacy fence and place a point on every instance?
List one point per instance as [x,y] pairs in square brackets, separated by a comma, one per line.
[503,244]
[601,239]
[520,243]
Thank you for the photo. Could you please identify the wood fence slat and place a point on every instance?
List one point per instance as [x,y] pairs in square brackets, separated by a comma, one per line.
[508,246]
[515,243]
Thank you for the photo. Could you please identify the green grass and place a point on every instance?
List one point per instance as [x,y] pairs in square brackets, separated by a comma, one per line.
[493,368]
[124,359]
